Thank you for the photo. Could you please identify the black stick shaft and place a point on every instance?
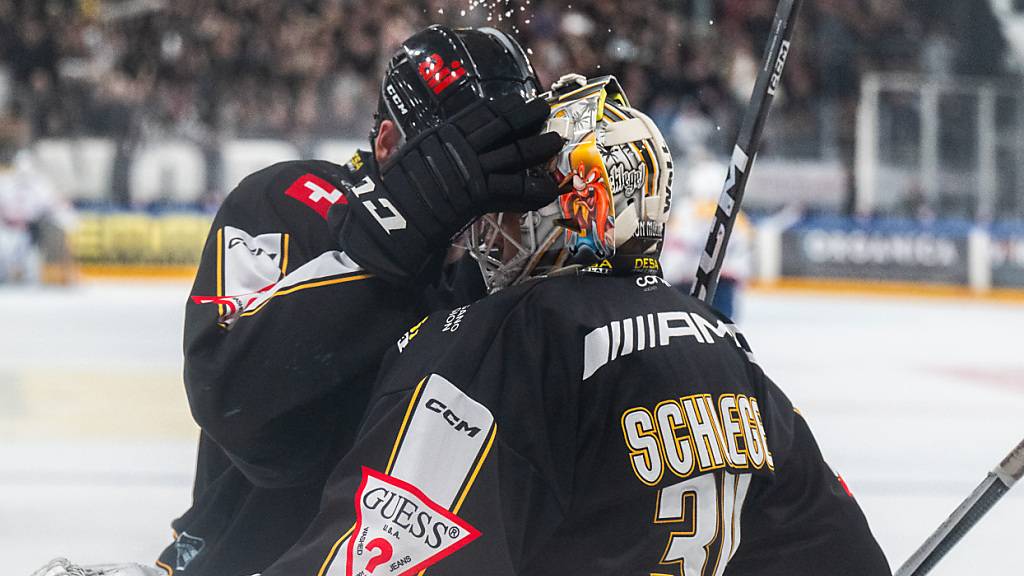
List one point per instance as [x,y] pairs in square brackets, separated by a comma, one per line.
[969,513]
[745,151]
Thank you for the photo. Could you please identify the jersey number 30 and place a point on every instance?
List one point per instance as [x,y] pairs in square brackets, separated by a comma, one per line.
[705,516]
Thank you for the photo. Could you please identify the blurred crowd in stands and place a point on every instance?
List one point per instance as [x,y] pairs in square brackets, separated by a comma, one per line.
[207,70]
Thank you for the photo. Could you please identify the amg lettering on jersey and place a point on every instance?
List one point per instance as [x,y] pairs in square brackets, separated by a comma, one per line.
[624,337]
[695,434]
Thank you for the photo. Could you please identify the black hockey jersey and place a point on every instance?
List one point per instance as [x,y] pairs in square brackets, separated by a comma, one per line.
[283,338]
[590,425]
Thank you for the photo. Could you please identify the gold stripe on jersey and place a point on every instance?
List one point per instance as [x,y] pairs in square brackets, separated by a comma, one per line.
[334,551]
[284,254]
[405,424]
[476,470]
[391,460]
[317,284]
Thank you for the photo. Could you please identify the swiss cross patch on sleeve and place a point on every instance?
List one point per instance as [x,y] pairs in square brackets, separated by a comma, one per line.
[317,193]
[399,530]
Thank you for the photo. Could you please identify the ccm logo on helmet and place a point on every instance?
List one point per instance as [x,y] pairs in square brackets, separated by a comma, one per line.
[460,425]
[437,75]
[397,100]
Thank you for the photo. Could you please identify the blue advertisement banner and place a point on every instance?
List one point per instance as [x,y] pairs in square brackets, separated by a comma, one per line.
[884,250]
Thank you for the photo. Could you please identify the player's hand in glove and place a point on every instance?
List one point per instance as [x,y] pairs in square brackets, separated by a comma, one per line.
[398,222]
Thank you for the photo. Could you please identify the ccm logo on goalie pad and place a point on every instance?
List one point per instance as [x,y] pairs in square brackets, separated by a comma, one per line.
[316,193]
[382,210]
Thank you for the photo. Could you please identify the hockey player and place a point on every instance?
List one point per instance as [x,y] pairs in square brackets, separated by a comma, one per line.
[595,421]
[312,269]
[295,303]
[34,219]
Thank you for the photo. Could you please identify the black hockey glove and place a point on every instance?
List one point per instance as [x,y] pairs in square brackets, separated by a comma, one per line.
[398,221]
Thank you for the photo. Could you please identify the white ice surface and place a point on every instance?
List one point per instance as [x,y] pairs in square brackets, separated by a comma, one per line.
[913,401]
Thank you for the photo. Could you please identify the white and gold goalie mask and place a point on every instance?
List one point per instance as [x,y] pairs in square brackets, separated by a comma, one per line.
[615,172]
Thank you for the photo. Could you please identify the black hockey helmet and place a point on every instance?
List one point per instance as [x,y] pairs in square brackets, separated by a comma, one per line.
[439,71]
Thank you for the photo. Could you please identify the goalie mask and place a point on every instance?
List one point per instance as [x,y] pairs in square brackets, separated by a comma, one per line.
[616,176]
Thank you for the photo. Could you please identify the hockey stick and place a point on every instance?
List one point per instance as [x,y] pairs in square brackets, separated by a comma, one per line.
[745,151]
[984,497]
